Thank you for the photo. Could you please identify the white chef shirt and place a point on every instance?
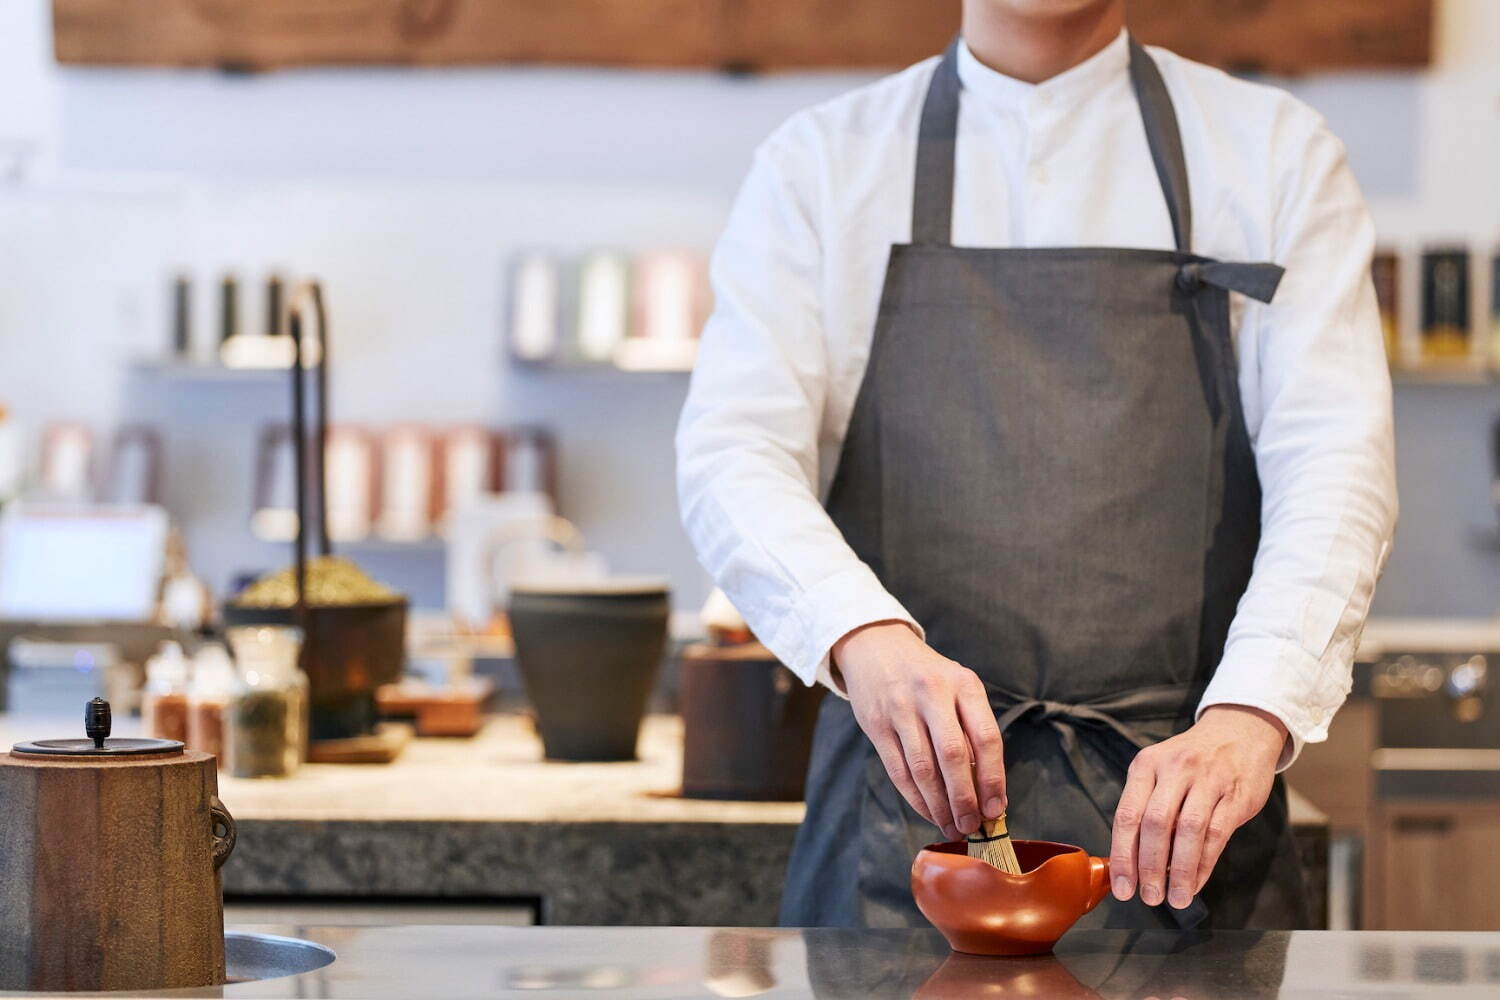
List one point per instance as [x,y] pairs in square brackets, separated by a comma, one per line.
[797,279]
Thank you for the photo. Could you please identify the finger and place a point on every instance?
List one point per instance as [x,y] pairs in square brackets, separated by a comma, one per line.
[1221,827]
[1187,843]
[1124,839]
[923,765]
[889,749]
[1157,824]
[953,758]
[978,721]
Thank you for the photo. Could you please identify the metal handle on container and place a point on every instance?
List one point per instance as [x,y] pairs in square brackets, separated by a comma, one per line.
[309,294]
[225,831]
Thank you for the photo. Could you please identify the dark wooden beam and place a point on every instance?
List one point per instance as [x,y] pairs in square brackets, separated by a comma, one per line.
[1284,36]
[1289,36]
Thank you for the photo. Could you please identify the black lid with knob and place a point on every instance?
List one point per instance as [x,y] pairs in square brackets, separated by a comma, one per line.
[97,723]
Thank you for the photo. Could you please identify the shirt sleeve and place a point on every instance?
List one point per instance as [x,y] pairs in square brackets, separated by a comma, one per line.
[1324,451]
[747,441]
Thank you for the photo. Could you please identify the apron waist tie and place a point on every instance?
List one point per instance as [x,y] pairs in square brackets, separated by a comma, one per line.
[1104,719]
[1256,280]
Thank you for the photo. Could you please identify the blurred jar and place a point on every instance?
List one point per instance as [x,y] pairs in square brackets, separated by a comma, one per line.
[265,730]
[214,681]
[164,699]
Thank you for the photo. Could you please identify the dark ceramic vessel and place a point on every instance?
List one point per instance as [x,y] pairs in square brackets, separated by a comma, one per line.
[589,654]
[982,910]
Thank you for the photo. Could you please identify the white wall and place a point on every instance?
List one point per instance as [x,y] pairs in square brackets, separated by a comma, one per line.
[406,190]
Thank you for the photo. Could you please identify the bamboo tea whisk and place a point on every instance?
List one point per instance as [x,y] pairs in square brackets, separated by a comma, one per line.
[991,844]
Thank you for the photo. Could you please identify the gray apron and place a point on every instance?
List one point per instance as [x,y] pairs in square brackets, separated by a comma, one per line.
[1048,465]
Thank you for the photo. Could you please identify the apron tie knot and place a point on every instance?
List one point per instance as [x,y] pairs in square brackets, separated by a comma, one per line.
[1190,278]
[1104,722]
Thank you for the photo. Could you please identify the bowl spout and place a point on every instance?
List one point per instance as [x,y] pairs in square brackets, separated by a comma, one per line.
[1098,880]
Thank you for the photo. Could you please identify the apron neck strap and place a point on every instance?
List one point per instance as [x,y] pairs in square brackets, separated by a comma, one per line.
[932,199]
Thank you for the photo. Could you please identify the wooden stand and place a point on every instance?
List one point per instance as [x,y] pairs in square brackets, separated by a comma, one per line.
[457,710]
[380,747]
[109,872]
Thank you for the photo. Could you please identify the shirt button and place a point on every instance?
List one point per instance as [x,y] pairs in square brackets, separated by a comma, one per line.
[1039,174]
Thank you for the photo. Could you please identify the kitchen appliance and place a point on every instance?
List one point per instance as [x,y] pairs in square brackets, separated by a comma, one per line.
[51,679]
[109,872]
[50,568]
[747,724]
[1430,771]
[982,910]
[589,652]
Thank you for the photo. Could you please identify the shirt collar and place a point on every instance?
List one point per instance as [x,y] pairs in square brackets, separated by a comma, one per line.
[992,87]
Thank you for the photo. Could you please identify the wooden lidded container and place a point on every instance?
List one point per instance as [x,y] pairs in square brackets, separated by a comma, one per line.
[747,724]
[109,864]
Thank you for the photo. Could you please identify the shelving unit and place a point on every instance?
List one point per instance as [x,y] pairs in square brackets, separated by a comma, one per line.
[432,545]
[191,371]
[1445,376]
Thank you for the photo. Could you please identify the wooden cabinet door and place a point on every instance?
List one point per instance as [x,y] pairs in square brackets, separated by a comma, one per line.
[1435,867]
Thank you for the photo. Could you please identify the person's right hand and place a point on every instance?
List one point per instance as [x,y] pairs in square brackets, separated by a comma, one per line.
[926,715]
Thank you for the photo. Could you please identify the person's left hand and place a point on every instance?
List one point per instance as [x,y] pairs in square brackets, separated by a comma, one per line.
[1185,796]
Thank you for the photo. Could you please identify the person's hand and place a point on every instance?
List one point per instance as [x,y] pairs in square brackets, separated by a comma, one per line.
[929,718]
[1185,796]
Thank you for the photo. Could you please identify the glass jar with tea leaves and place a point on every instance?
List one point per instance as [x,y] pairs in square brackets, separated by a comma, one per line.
[265,721]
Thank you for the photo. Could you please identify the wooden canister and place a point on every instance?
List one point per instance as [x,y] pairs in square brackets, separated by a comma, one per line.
[747,724]
[109,868]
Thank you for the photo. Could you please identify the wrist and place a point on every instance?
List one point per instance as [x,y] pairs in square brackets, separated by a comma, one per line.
[1248,723]
[871,640]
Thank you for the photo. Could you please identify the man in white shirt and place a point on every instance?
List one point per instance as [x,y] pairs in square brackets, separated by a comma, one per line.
[1002,430]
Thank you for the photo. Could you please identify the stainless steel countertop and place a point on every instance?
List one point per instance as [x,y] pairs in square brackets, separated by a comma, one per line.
[470,961]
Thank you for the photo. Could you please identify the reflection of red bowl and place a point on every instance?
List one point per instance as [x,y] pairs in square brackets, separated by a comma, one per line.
[987,976]
[982,910]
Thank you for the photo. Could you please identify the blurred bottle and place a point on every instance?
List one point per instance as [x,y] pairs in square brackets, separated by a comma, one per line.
[208,696]
[164,700]
[1446,330]
[265,732]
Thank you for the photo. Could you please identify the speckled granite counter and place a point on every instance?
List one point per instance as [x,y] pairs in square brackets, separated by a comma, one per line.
[593,843]
[488,819]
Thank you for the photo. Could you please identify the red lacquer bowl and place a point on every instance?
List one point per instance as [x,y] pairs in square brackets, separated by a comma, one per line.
[984,911]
